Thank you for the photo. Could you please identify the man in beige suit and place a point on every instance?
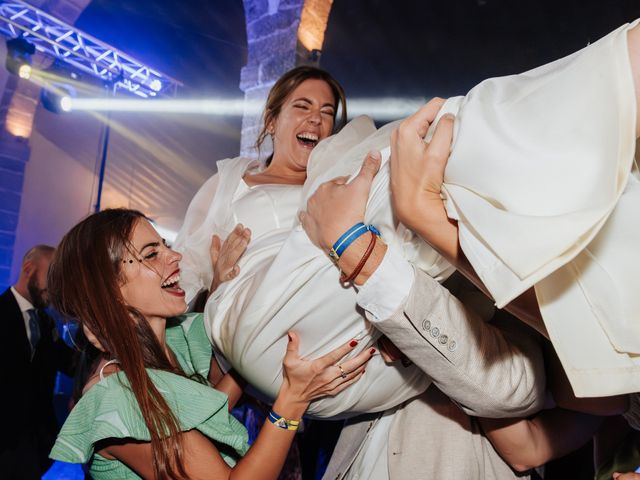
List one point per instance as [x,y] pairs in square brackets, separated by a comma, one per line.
[477,368]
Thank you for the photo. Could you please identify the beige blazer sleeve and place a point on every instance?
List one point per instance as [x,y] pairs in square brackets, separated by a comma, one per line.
[490,369]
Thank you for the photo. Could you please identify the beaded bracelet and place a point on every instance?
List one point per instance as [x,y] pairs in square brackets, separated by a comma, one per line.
[346,279]
[282,422]
[348,238]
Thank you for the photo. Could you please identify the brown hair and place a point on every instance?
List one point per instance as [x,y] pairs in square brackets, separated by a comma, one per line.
[84,283]
[286,84]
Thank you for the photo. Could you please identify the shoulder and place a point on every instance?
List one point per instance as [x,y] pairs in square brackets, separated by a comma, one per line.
[7,298]
[188,339]
[110,410]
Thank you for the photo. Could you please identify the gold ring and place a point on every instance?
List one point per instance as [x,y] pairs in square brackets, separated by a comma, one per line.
[342,372]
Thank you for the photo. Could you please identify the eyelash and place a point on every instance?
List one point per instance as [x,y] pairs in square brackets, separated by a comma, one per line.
[155,253]
[305,107]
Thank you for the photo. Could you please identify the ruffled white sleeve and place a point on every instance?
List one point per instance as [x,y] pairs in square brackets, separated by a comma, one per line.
[194,240]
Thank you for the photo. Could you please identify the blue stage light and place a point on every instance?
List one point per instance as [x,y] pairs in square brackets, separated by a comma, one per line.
[65,103]
[155,85]
[24,71]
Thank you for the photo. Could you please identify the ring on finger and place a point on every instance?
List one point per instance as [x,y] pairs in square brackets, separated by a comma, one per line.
[343,374]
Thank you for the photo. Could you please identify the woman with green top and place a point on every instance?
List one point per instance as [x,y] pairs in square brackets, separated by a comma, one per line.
[146,409]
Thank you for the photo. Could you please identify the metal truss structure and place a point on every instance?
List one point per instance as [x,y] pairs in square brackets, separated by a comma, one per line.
[57,39]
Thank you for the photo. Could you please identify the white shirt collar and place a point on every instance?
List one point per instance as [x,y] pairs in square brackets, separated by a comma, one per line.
[23,303]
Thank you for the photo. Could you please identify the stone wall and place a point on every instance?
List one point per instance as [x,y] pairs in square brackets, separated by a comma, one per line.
[272,32]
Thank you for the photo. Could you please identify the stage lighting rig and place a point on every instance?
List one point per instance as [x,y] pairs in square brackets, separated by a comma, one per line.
[83,52]
[19,52]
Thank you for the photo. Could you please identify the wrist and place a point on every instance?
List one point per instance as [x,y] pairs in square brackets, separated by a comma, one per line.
[289,405]
[351,257]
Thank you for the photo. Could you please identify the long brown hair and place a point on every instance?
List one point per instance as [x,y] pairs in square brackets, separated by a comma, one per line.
[286,84]
[84,283]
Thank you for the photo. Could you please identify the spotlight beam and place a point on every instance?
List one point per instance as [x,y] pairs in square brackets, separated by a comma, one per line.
[377,108]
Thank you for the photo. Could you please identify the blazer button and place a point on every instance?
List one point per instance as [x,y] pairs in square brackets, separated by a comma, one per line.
[435,331]
[443,339]
[452,346]
[426,324]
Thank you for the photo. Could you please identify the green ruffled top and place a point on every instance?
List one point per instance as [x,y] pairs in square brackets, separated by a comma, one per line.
[109,408]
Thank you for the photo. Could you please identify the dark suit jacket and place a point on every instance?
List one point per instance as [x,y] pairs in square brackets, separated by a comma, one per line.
[29,424]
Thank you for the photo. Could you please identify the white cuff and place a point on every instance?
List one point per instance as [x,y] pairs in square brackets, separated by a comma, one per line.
[388,288]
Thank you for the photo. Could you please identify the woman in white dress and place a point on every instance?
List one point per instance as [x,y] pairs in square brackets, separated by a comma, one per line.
[276,288]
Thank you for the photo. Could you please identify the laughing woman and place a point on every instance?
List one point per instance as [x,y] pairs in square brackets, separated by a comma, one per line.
[147,410]
[277,286]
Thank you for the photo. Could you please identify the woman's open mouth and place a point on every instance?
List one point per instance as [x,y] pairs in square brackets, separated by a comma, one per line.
[308,139]
[171,284]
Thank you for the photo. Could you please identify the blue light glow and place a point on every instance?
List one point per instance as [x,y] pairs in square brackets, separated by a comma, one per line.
[155,85]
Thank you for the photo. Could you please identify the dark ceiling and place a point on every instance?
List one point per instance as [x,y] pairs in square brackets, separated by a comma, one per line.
[375,47]
[426,48]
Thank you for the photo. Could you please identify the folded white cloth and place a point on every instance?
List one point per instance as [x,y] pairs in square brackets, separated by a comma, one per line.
[539,181]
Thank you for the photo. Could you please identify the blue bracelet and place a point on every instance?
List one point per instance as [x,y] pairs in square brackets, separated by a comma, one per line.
[348,237]
[283,423]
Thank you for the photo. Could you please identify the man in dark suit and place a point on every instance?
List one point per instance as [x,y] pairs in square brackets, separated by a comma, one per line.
[31,352]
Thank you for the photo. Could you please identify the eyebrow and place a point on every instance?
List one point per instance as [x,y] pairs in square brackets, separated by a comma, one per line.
[152,244]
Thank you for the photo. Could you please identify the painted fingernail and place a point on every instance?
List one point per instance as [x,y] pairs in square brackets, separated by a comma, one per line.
[372,351]
[353,343]
[289,335]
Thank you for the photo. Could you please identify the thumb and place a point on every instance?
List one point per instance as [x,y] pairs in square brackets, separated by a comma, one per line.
[370,168]
[294,343]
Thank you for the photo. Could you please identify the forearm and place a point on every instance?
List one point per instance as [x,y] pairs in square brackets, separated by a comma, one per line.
[232,385]
[488,371]
[526,444]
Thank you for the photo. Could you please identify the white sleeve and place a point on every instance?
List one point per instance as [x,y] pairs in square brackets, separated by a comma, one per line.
[193,242]
[388,288]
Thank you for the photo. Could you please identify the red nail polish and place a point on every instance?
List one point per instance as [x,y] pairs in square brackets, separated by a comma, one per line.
[372,351]
[353,343]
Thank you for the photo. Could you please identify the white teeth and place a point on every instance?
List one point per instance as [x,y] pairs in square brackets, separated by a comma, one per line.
[171,280]
[308,136]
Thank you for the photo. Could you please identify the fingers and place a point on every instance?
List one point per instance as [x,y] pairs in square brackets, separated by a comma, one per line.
[440,145]
[339,382]
[234,247]
[336,355]
[215,248]
[419,122]
[359,360]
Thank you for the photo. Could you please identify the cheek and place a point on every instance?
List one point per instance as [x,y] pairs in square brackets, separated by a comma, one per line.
[328,127]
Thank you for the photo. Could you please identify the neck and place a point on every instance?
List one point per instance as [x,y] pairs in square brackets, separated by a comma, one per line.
[21,288]
[288,175]
[159,327]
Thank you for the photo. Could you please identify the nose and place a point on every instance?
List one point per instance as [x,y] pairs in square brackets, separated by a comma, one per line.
[174,256]
[315,117]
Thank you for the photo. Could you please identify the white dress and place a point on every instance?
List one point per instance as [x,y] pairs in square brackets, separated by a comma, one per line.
[285,283]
